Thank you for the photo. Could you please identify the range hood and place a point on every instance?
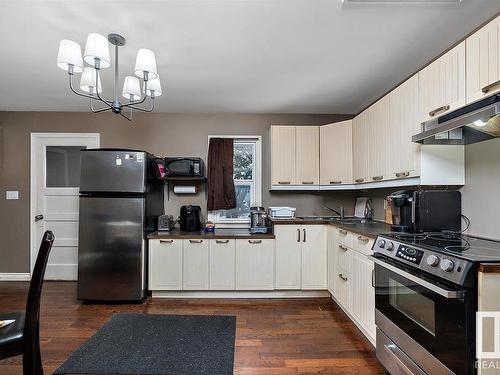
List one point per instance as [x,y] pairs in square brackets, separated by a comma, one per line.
[473,123]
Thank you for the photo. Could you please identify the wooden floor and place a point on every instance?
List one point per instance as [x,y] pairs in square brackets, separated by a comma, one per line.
[307,336]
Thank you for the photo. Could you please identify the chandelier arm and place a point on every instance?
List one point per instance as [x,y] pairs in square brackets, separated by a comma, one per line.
[99,109]
[128,118]
[97,91]
[150,109]
[74,91]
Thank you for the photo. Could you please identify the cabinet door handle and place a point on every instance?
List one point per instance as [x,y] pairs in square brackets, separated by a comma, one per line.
[402,174]
[342,277]
[335,182]
[304,231]
[377,178]
[298,235]
[373,278]
[195,241]
[283,182]
[358,180]
[254,241]
[307,182]
[166,241]
[342,248]
[343,232]
[487,88]
[221,241]
[443,108]
[363,239]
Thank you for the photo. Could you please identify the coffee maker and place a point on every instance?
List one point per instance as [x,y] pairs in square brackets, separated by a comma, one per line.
[417,211]
[258,220]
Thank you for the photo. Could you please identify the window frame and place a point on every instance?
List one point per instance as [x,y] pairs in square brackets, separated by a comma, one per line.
[214,216]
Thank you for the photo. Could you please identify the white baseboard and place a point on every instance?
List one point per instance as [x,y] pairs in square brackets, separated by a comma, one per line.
[241,294]
[61,272]
[15,277]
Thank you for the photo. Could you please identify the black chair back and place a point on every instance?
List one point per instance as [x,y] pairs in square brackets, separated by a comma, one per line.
[31,324]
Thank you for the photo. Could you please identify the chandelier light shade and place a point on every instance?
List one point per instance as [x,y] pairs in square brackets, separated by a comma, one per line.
[154,87]
[145,62]
[88,81]
[97,47]
[70,56]
[97,56]
[131,88]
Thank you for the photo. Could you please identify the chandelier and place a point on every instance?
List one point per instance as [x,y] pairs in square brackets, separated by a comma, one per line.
[97,56]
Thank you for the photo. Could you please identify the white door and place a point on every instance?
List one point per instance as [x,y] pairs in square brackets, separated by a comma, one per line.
[165,264]
[222,264]
[55,180]
[313,257]
[288,256]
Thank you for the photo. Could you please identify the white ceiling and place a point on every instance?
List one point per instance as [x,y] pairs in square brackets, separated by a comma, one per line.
[256,56]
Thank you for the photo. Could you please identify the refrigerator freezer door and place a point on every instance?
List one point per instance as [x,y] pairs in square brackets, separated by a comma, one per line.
[113,171]
[111,249]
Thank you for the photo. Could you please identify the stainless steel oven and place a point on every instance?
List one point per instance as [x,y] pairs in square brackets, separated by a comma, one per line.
[424,323]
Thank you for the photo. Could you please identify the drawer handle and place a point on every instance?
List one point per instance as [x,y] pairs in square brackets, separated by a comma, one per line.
[221,241]
[377,178]
[304,239]
[402,174]
[196,241]
[358,180]
[344,232]
[363,239]
[487,88]
[298,235]
[254,241]
[166,241]
[342,277]
[342,248]
[283,182]
[434,112]
[335,182]
[307,182]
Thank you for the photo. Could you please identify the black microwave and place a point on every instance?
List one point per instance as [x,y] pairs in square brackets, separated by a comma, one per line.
[184,167]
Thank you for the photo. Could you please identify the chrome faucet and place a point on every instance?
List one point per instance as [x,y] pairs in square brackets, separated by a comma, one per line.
[340,213]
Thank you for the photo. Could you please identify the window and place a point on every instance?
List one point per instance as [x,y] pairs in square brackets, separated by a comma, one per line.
[247,181]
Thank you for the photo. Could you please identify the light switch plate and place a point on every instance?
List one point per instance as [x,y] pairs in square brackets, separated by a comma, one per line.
[14,194]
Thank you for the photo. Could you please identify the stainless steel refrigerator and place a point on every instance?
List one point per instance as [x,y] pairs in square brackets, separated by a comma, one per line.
[120,199]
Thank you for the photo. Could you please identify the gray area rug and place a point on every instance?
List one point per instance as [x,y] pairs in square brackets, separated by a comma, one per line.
[157,344]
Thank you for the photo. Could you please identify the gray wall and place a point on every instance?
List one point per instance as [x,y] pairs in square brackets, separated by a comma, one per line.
[160,133]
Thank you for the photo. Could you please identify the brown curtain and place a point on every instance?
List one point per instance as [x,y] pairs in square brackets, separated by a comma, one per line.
[221,194]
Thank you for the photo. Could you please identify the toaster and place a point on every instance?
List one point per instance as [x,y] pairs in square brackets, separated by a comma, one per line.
[166,222]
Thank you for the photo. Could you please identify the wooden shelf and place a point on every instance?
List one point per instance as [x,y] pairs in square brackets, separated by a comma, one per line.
[186,179]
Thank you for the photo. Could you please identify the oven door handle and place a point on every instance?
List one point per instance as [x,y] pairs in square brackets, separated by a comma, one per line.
[450,294]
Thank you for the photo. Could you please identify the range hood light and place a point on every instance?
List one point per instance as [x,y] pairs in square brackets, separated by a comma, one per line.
[480,123]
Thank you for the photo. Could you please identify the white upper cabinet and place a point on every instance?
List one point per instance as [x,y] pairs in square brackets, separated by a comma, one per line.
[307,155]
[336,153]
[379,140]
[403,124]
[483,61]
[283,155]
[360,147]
[442,84]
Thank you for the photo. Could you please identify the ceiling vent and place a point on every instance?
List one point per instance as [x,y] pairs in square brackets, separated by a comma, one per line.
[402,2]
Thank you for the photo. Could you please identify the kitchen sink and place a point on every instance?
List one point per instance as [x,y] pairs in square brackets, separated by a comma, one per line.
[349,220]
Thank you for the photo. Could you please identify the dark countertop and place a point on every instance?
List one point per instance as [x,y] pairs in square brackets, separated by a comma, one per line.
[368,229]
[222,233]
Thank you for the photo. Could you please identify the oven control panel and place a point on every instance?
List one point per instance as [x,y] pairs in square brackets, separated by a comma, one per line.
[409,254]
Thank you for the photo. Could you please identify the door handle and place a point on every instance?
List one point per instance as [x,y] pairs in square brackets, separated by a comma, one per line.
[358,180]
[221,241]
[342,248]
[304,240]
[363,239]
[487,88]
[377,178]
[195,241]
[307,182]
[298,235]
[402,174]
[38,218]
[166,241]
[373,278]
[342,277]
[434,112]
[254,241]
[335,182]
[283,182]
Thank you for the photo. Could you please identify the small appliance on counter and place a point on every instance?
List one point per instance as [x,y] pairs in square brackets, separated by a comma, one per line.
[426,211]
[189,218]
[258,220]
[184,167]
[282,212]
[166,222]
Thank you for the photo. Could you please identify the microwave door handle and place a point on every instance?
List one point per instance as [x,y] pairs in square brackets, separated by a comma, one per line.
[450,294]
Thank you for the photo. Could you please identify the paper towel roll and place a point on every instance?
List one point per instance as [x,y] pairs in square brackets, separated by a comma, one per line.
[185,190]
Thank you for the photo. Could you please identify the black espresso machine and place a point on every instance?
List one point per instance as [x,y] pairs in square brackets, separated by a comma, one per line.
[417,211]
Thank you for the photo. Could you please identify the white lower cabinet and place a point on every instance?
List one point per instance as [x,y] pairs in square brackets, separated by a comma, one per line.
[314,257]
[222,264]
[165,265]
[363,292]
[255,264]
[288,256]
[195,265]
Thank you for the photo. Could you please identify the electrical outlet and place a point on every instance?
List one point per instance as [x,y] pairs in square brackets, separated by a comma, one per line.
[12,194]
